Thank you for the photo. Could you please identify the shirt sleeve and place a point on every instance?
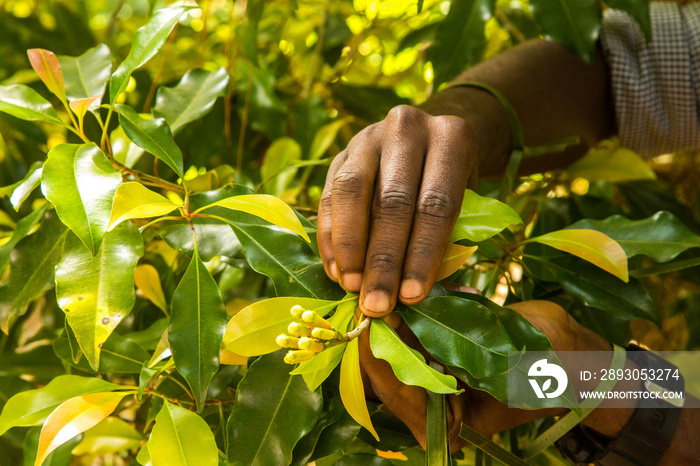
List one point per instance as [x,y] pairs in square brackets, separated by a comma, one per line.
[656,86]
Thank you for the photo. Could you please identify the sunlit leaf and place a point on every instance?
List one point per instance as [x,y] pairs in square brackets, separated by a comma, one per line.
[112,435]
[591,245]
[325,136]
[81,106]
[79,180]
[181,438]
[192,98]
[73,417]
[455,257]
[273,410]
[31,408]
[61,456]
[481,218]
[147,282]
[25,188]
[32,266]
[276,172]
[48,68]
[252,331]
[407,363]
[25,103]
[231,358]
[24,226]
[612,163]
[86,76]
[269,208]
[197,327]
[352,392]
[134,200]
[97,292]
[148,39]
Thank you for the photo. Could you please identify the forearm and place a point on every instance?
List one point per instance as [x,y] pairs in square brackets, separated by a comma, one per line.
[554,93]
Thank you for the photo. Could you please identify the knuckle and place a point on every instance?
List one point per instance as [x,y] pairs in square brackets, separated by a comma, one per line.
[383,261]
[403,116]
[347,183]
[395,198]
[437,204]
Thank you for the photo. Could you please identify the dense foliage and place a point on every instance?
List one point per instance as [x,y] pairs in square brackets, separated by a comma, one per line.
[149,256]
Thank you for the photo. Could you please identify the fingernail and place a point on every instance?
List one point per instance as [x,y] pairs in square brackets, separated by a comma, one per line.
[411,289]
[333,270]
[377,302]
[352,282]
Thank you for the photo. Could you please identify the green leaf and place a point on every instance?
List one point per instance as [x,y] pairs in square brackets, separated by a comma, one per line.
[112,435]
[287,260]
[276,171]
[481,218]
[48,68]
[73,417]
[152,135]
[273,410]
[437,437]
[192,98]
[269,208]
[611,162]
[97,292]
[31,408]
[86,75]
[590,245]
[572,23]
[325,136]
[253,330]
[214,237]
[118,355]
[453,331]
[408,365]
[637,9]
[79,180]
[459,41]
[32,266]
[146,43]
[362,459]
[352,392]
[661,237]
[25,103]
[134,200]
[61,456]
[197,327]
[23,227]
[454,258]
[181,438]
[25,188]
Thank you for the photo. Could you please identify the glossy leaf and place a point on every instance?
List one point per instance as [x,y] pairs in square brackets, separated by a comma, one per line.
[152,135]
[273,410]
[284,257]
[81,106]
[572,23]
[61,456]
[192,98]
[269,208]
[408,365]
[214,237]
[276,171]
[73,417]
[181,438]
[25,103]
[661,237]
[32,266]
[147,281]
[454,258]
[31,408]
[459,41]
[97,292]
[590,245]
[197,327]
[112,435]
[612,163]
[148,39]
[352,392]
[25,188]
[482,217]
[86,76]
[24,226]
[252,331]
[134,200]
[118,355]
[325,136]
[48,68]
[79,180]
[462,333]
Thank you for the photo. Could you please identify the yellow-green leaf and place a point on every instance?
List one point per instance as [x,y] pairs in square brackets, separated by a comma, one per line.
[134,200]
[48,68]
[81,106]
[112,435]
[269,208]
[611,162]
[148,284]
[73,417]
[593,246]
[352,392]
[253,330]
[455,257]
